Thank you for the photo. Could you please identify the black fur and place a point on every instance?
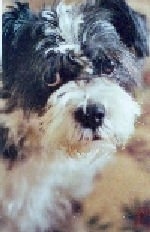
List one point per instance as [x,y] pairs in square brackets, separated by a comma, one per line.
[7,151]
[27,71]
[128,24]
[21,71]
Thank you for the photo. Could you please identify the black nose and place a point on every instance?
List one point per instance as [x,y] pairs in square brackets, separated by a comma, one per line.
[91,117]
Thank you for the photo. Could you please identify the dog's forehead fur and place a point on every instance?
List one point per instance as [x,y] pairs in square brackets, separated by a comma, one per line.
[70,20]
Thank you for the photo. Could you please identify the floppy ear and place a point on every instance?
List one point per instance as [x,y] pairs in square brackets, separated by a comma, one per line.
[29,76]
[130,25]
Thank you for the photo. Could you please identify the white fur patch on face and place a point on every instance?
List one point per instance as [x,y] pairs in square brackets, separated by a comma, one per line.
[121,112]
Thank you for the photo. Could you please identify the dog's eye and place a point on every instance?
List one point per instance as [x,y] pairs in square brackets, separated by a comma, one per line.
[107,66]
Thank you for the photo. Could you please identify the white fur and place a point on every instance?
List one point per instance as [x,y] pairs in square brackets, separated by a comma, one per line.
[121,109]
[70,20]
[63,47]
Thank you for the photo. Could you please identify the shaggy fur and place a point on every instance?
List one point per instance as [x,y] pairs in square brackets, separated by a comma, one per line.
[69,42]
[69,75]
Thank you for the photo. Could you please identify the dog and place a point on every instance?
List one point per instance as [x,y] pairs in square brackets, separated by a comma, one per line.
[69,75]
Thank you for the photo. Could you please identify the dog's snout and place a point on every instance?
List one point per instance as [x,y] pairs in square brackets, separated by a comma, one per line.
[91,116]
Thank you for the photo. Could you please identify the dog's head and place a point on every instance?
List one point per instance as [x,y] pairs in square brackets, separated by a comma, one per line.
[42,52]
[96,63]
